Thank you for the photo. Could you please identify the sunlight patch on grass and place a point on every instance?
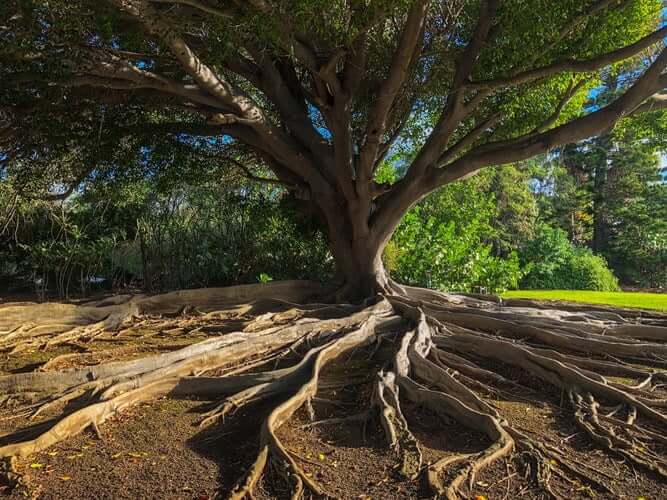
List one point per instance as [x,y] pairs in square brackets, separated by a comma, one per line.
[639,300]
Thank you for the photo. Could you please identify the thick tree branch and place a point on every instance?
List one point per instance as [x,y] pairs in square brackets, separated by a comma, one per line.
[245,112]
[343,144]
[202,6]
[455,110]
[113,74]
[408,191]
[207,80]
[386,95]
[411,189]
[571,65]
[285,96]
[521,148]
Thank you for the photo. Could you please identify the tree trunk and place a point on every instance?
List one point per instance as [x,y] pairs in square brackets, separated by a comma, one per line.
[600,230]
[357,254]
[359,270]
[363,271]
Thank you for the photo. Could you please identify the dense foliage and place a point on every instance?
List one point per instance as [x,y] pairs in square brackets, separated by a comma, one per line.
[445,242]
[193,236]
[551,261]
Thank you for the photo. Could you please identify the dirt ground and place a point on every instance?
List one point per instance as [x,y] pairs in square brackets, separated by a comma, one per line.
[157,449]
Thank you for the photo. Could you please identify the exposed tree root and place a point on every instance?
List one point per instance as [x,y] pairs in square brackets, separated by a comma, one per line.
[33,326]
[447,354]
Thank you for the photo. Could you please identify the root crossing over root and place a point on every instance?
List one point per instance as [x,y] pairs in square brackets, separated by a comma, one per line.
[454,355]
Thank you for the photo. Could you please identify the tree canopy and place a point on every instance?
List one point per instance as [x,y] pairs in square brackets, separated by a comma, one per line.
[316,93]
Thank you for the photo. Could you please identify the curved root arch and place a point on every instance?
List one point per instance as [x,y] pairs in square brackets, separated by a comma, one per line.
[452,355]
[33,326]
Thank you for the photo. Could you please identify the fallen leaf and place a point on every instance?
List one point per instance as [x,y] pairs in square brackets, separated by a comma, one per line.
[480,497]
[482,483]
[53,453]
[116,455]
[75,456]
[35,465]
[321,456]
[65,478]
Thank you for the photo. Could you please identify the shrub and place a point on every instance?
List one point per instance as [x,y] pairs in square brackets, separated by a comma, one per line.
[551,261]
[441,243]
[209,234]
[590,272]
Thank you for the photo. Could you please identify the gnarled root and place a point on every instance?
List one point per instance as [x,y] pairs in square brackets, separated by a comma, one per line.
[306,374]
[458,356]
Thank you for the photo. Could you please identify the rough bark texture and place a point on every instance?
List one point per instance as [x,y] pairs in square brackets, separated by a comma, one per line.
[362,270]
[447,354]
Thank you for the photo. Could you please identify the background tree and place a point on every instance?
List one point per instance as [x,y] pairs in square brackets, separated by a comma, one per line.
[605,191]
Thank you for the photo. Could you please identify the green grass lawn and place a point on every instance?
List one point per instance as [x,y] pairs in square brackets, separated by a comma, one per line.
[621,299]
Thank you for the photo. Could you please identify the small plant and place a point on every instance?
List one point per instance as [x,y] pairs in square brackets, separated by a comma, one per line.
[264,278]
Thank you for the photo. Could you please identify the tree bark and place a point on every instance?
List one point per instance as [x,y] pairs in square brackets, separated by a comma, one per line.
[357,253]
[361,269]
[600,230]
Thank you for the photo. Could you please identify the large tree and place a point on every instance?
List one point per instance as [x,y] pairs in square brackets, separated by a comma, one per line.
[319,92]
